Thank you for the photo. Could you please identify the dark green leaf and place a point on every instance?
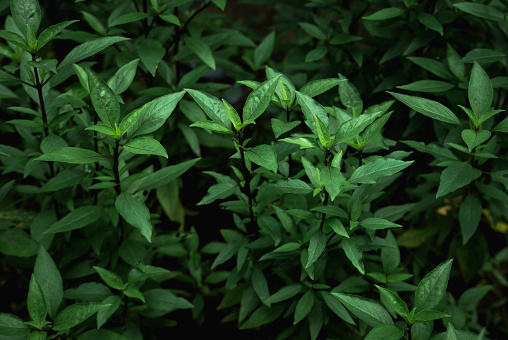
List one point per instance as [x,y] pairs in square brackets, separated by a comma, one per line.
[369,173]
[76,219]
[375,223]
[163,299]
[355,255]
[104,99]
[71,155]
[13,326]
[50,281]
[263,155]
[394,301]
[433,66]
[385,332]
[431,22]
[75,314]
[201,49]
[432,287]
[304,306]
[284,293]
[145,146]
[310,109]
[429,315]
[151,53]
[123,77]
[337,307]
[481,10]
[134,210]
[52,31]
[292,186]
[474,138]
[127,18]
[219,191]
[313,30]
[264,50]
[259,99]
[110,278]
[166,175]
[260,285]
[316,87]
[385,13]
[479,91]
[262,315]
[350,97]
[26,12]
[14,38]
[454,177]
[213,107]
[279,127]
[428,108]
[483,55]
[17,242]
[370,312]
[427,86]
[333,180]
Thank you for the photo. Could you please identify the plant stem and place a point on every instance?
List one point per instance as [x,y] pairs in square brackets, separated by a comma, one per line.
[39,86]
[246,188]
[116,173]
[327,195]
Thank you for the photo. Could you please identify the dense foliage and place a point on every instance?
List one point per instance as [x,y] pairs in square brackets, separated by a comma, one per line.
[289,169]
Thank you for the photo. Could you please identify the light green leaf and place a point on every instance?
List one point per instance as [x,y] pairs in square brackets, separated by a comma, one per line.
[369,173]
[375,223]
[429,315]
[48,276]
[259,99]
[201,49]
[430,86]
[451,334]
[432,287]
[395,302]
[213,107]
[304,306]
[317,87]
[333,180]
[103,99]
[151,53]
[385,13]
[110,278]
[135,212]
[291,186]
[76,219]
[151,116]
[52,31]
[428,108]
[36,303]
[212,126]
[323,133]
[123,77]
[26,12]
[263,155]
[431,22]
[385,332]
[470,213]
[234,117]
[310,109]
[71,155]
[479,91]
[303,142]
[103,128]
[454,177]
[474,138]
[145,146]
[127,18]
[481,10]
[355,255]
[220,3]
[88,49]
[166,175]
[353,127]
[75,314]
[264,50]
[336,307]
[370,312]
[17,242]
[350,97]
[279,127]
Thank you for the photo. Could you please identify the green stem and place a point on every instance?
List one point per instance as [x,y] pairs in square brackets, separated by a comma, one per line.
[116,172]
[247,178]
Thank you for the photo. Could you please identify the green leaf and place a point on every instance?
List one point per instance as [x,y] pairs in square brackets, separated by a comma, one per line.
[454,177]
[279,127]
[17,242]
[352,128]
[220,3]
[151,53]
[163,299]
[430,86]
[385,13]
[304,306]
[14,38]
[262,315]
[429,315]
[259,99]
[369,173]
[291,186]
[313,30]
[432,287]
[264,50]
[336,307]
[71,155]
[234,117]
[123,77]
[431,22]
[260,285]
[88,49]
[75,314]
[26,12]
[375,223]
[47,275]
[370,312]
[355,255]
[104,314]
[285,293]
[481,10]
[483,55]
[322,132]
[428,108]
[434,66]
[36,303]
[201,49]
[479,91]
[310,109]
[451,334]
[350,97]
[303,142]
[103,99]
[135,212]
[316,54]
[110,278]
[212,126]
[94,22]
[76,219]
[11,325]
[145,146]
[287,247]
[333,180]
[219,191]
[127,18]
[317,246]
[263,155]
[52,31]
[390,257]
[455,63]
[317,87]
[171,18]
[474,138]
[151,116]
[385,332]
[470,213]
[395,302]
[166,175]
[213,107]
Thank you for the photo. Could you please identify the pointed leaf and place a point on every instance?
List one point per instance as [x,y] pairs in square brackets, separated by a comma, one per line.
[474,138]
[395,302]
[481,10]
[355,255]
[123,77]
[13,326]
[76,219]
[279,127]
[429,315]
[71,155]
[470,213]
[385,332]
[47,275]
[128,18]
[375,223]
[260,285]
[323,133]
[150,52]
[317,246]
[17,242]
[370,312]
[14,38]
[219,191]
[304,306]
[166,175]
[479,91]
[369,173]
[36,303]
[285,293]
[103,99]
[310,109]
[135,212]
[454,177]
[163,299]
[333,180]
[292,186]
[145,146]
[52,31]
[263,155]
[385,13]
[428,108]
[259,99]
[212,107]
[264,50]
[353,127]
[75,314]
[26,12]
[432,287]
[431,22]
[316,87]
[430,86]
[110,278]
[201,49]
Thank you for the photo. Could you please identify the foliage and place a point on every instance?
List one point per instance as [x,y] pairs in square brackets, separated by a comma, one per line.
[321,171]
